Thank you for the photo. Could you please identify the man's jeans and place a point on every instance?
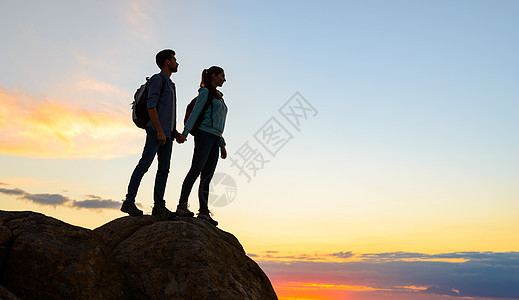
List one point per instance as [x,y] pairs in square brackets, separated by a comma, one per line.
[163,152]
[205,158]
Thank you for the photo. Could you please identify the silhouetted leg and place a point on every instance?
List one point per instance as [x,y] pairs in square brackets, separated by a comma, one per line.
[164,162]
[148,154]
[200,155]
[207,175]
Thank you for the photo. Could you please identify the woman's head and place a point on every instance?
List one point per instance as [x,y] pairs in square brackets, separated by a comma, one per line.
[212,78]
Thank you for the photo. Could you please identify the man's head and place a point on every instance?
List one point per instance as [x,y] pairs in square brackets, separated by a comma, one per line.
[166,58]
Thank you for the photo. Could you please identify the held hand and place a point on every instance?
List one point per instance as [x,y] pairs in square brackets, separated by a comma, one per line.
[223,151]
[180,138]
[161,137]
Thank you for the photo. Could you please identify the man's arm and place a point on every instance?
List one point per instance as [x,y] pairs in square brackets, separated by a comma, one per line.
[154,90]
[154,117]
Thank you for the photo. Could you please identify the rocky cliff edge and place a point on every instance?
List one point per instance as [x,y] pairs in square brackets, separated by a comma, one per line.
[127,258]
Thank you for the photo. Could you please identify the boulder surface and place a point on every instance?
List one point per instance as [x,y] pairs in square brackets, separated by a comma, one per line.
[183,259]
[44,258]
[127,258]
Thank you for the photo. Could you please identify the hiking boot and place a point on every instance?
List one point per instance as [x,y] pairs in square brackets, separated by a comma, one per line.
[131,209]
[161,213]
[183,211]
[206,216]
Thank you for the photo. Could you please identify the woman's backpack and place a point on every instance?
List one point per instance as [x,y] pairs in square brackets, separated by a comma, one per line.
[190,108]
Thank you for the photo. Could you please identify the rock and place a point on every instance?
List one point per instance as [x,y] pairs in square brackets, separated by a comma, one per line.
[128,258]
[49,259]
[183,259]
[120,229]
[5,242]
[5,294]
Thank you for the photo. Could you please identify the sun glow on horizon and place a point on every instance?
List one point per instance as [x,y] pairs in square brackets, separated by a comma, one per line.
[309,290]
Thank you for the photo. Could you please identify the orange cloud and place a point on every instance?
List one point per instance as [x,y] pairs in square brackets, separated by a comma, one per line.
[342,287]
[413,288]
[50,128]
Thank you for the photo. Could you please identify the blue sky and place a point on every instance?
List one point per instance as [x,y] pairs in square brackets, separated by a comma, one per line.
[412,146]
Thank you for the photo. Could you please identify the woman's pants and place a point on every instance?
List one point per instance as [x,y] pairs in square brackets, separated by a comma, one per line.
[205,158]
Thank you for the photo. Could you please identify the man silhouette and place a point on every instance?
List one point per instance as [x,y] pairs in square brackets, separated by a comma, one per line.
[160,132]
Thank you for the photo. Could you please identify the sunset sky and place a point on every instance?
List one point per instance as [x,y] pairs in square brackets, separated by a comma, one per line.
[373,145]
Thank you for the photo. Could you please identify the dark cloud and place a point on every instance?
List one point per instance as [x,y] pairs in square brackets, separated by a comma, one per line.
[494,257]
[271,255]
[91,201]
[343,254]
[393,256]
[96,203]
[483,274]
[12,192]
[44,199]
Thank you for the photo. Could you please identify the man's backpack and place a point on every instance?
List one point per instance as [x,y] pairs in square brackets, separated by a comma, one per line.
[140,114]
[190,108]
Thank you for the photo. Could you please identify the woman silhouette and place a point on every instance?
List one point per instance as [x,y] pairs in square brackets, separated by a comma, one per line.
[208,141]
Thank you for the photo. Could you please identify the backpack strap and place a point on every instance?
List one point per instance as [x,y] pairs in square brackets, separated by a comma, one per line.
[206,105]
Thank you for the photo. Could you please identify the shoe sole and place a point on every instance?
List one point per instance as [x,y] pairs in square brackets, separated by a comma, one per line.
[133,215]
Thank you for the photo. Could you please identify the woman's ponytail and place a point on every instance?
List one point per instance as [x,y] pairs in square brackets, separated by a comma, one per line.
[205,79]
